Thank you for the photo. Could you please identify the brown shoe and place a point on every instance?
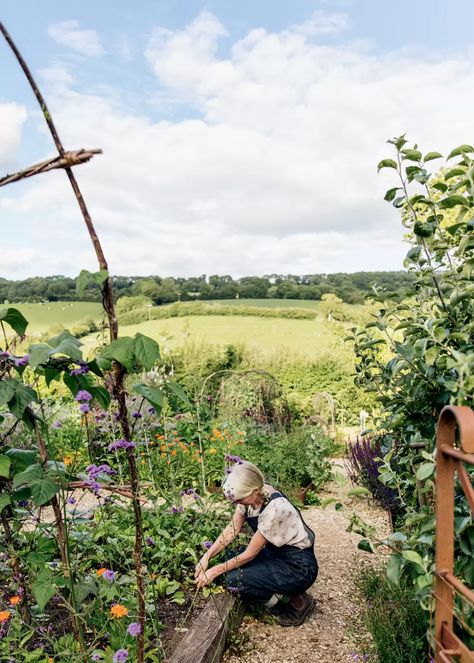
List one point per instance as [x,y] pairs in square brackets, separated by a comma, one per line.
[297,610]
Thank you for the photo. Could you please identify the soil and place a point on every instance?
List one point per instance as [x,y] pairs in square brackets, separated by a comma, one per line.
[326,636]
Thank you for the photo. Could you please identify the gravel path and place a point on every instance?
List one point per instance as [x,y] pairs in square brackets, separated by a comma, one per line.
[324,638]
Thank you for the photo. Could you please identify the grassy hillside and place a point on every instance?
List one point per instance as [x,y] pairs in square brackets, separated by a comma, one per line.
[311,338]
[52,315]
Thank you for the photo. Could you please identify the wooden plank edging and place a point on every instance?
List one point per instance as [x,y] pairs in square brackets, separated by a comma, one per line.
[206,639]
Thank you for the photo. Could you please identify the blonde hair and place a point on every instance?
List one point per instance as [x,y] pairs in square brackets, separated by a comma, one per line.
[242,481]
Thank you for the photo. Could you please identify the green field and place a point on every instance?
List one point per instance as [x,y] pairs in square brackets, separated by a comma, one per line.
[311,338]
[267,303]
[53,315]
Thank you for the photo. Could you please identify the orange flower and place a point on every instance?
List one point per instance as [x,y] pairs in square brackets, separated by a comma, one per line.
[100,572]
[118,611]
[50,659]
[5,615]
[67,460]
[163,447]
[173,453]
[15,600]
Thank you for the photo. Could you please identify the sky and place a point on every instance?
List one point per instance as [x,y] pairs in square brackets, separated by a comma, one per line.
[238,138]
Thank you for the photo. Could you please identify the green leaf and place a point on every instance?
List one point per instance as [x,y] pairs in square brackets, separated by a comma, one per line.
[123,351]
[147,351]
[364,544]
[39,354]
[5,500]
[454,172]
[43,589]
[21,459]
[15,319]
[5,465]
[431,355]
[432,155]
[7,390]
[359,491]
[178,391]
[453,201]
[395,565]
[440,186]
[423,228]
[23,396]
[31,473]
[86,278]
[425,471]
[391,193]
[386,163]
[101,395]
[42,491]
[412,155]
[412,556]
[86,588]
[152,394]
[461,150]
[68,345]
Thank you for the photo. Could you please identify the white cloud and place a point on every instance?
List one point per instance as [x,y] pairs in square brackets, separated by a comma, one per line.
[323,23]
[12,118]
[85,42]
[277,175]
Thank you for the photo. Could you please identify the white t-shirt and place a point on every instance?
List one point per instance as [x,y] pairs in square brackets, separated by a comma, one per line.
[280,523]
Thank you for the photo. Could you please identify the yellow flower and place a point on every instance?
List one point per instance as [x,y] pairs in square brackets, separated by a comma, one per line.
[15,600]
[118,610]
[101,571]
[212,450]
[67,460]
[5,615]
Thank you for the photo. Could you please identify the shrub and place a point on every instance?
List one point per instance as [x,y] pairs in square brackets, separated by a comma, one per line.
[393,617]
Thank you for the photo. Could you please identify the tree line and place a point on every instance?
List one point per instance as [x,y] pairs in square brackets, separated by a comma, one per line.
[350,288]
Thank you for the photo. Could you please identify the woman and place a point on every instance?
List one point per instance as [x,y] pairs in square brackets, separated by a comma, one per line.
[278,565]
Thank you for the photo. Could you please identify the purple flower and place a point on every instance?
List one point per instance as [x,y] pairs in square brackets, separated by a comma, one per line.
[57,424]
[120,656]
[22,361]
[121,444]
[151,410]
[84,408]
[150,541]
[23,503]
[82,370]
[94,470]
[93,485]
[71,500]
[233,459]
[83,395]
[5,353]
[232,589]
[176,509]
[207,544]
[96,657]
[136,414]
[134,628]
[228,470]
[109,575]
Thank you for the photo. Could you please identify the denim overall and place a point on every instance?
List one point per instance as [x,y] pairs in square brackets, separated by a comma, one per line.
[276,569]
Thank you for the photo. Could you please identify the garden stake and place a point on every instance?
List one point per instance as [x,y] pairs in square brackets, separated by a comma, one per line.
[117,370]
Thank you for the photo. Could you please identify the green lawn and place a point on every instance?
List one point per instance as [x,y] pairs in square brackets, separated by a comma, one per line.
[311,338]
[52,315]
[268,303]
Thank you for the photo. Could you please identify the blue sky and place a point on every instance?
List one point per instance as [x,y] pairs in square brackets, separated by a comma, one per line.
[239,137]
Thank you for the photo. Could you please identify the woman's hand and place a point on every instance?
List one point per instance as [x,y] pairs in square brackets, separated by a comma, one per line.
[206,577]
[201,566]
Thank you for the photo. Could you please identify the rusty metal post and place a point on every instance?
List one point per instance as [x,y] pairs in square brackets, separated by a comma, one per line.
[448,461]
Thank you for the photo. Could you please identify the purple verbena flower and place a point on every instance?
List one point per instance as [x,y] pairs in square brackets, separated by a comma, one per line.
[96,657]
[93,485]
[23,503]
[71,500]
[136,414]
[82,370]
[232,590]
[134,629]
[207,544]
[84,408]
[121,444]
[57,424]
[151,410]
[120,656]
[233,459]
[4,353]
[83,395]
[109,575]
[177,509]
[150,541]
[21,361]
